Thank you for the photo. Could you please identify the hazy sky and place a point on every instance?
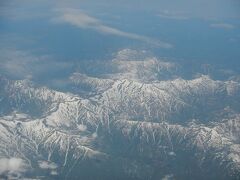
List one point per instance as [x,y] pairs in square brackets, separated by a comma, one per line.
[42,36]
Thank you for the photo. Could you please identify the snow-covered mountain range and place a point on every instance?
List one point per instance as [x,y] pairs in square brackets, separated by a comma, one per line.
[134,117]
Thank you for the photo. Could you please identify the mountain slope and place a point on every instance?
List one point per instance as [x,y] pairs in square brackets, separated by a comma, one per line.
[123,124]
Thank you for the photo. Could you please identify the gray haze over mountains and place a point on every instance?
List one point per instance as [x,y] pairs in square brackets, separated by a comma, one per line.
[119,90]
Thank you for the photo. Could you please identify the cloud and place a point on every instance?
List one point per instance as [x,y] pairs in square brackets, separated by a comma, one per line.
[168,177]
[172,15]
[23,64]
[54,173]
[222,25]
[12,165]
[172,153]
[82,20]
[47,165]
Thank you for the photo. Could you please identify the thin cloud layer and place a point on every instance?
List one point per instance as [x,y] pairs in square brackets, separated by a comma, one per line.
[222,26]
[47,165]
[23,64]
[84,21]
[166,14]
[14,165]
